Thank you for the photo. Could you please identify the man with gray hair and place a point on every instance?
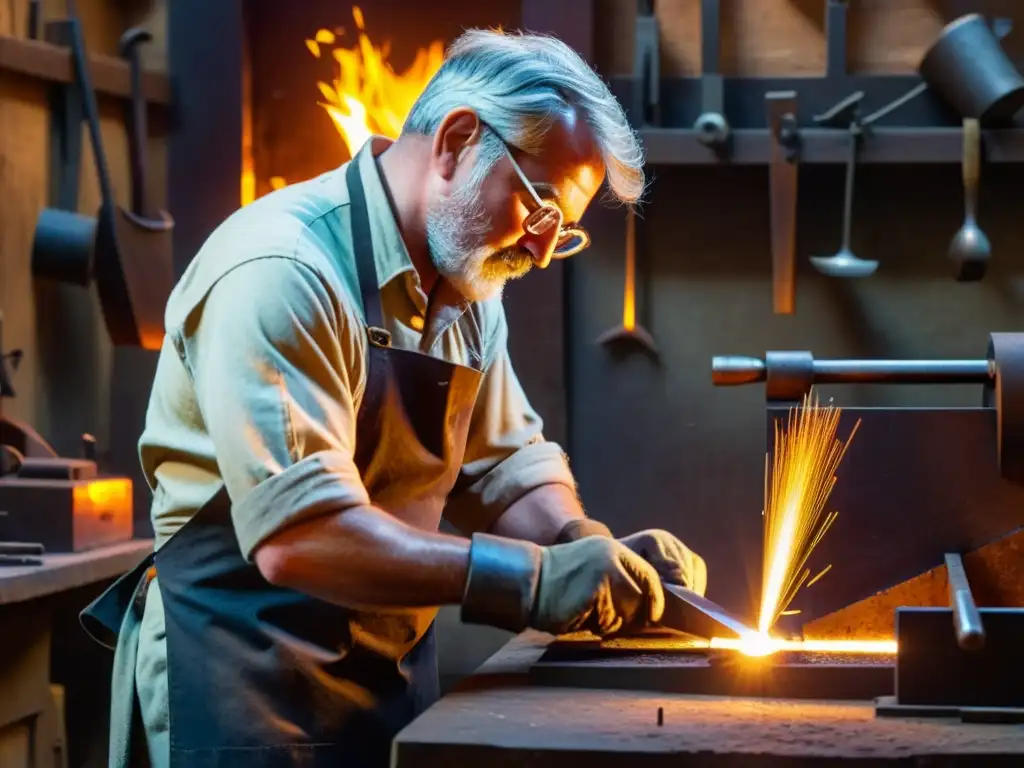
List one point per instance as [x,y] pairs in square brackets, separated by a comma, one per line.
[335,377]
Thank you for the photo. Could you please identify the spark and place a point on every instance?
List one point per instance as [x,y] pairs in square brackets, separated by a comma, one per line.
[801,477]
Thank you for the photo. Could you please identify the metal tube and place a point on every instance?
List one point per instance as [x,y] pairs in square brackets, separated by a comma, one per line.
[970,634]
[729,371]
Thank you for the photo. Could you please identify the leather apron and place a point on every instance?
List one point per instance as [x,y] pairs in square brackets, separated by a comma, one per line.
[264,676]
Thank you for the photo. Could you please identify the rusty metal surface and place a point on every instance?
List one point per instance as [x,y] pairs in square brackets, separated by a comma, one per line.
[995,572]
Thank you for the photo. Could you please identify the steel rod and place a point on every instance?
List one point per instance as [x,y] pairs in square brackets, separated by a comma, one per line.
[970,633]
[735,370]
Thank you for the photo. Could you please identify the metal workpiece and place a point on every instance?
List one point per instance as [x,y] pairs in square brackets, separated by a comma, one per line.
[970,633]
[936,676]
[686,611]
[789,375]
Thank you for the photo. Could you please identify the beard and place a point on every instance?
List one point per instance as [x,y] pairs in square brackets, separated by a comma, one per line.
[457,228]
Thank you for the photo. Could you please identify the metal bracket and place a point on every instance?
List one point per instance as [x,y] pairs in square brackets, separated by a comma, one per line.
[836,38]
[711,125]
[646,107]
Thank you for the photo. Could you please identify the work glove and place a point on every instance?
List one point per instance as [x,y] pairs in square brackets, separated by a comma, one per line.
[673,560]
[595,584]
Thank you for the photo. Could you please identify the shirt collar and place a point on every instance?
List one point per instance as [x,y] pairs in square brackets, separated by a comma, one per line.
[390,255]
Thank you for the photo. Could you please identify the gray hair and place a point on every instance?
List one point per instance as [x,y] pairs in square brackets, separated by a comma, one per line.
[519,84]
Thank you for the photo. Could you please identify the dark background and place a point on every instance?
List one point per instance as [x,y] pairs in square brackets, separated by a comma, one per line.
[652,443]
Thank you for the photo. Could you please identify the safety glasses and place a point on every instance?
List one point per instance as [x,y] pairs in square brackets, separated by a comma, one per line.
[544,215]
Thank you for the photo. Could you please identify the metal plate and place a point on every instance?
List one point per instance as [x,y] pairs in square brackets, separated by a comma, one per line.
[577,664]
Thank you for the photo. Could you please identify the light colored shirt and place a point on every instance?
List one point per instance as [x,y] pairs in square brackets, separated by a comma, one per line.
[262,373]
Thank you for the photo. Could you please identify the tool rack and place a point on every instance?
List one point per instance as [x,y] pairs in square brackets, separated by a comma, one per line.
[670,113]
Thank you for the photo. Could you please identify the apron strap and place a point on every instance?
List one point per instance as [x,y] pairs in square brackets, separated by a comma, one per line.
[362,245]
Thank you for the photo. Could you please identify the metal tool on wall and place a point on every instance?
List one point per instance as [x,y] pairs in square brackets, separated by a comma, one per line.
[126,253]
[844,263]
[970,249]
[968,69]
[646,106]
[630,330]
[711,125]
[782,197]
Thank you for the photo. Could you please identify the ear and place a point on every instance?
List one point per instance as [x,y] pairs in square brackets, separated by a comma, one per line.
[459,130]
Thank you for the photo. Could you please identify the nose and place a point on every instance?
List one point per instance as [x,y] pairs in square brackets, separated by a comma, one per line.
[541,247]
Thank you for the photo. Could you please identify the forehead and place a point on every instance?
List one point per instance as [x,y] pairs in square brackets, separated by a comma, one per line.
[569,166]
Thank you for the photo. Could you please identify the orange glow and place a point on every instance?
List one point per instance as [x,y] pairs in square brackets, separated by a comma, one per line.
[797,486]
[107,493]
[629,298]
[807,454]
[760,645]
[367,96]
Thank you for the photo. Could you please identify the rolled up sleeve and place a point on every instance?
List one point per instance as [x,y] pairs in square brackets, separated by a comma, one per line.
[273,365]
[506,453]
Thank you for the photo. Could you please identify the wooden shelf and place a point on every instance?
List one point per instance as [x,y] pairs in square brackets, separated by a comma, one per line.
[677,146]
[53,63]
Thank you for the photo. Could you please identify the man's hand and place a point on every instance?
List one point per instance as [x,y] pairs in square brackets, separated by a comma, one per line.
[595,584]
[673,560]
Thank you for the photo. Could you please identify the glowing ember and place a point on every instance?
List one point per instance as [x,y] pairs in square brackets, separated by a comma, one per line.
[368,97]
[762,645]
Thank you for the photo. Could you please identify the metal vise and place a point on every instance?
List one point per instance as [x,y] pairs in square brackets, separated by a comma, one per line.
[917,483]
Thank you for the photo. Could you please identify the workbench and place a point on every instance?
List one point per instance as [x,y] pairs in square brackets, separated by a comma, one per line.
[54,680]
[496,719]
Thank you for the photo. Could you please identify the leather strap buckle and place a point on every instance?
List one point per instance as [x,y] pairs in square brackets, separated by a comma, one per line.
[379,337]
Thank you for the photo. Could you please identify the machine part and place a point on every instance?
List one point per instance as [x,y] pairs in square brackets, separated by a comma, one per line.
[686,611]
[128,256]
[646,67]
[1005,393]
[970,633]
[790,375]
[631,329]
[65,514]
[970,249]
[968,69]
[711,126]
[577,664]
[782,199]
[19,561]
[935,676]
[21,548]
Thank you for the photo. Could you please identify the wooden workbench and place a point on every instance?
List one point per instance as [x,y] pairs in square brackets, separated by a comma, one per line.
[54,680]
[496,719]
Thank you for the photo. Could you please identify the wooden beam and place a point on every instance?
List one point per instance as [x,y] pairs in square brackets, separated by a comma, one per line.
[52,63]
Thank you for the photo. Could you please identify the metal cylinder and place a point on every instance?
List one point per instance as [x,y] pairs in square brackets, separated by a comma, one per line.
[1006,395]
[728,371]
[63,246]
[970,71]
[970,633]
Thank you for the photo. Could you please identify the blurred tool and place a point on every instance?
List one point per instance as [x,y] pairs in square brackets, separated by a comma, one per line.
[630,330]
[970,250]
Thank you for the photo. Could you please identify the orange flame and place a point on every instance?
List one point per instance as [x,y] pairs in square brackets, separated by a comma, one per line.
[368,97]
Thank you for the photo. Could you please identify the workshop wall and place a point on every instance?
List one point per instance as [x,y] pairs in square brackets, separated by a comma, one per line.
[652,442]
[71,380]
